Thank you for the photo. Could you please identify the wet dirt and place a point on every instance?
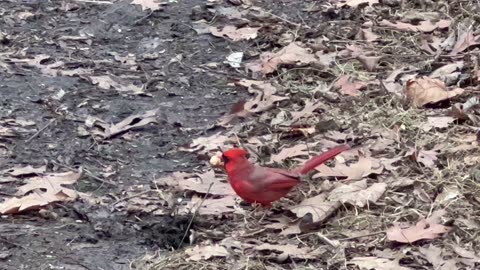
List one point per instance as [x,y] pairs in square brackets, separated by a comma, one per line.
[82,235]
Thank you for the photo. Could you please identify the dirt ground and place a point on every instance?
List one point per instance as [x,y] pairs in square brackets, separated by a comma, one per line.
[63,62]
[189,99]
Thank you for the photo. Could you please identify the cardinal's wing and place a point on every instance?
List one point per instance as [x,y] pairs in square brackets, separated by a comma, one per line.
[272,179]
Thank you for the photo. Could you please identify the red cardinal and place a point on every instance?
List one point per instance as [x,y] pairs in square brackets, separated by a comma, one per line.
[263,185]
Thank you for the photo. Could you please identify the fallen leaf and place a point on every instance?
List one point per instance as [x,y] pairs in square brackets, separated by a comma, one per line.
[135,121]
[447,195]
[348,86]
[426,157]
[308,109]
[370,63]
[149,4]
[284,224]
[358,193]
[108,81]
[199,253]
[433,255]
[234,33]
[465,40]
[426,90]
[205,183]
[206,144]
[437,122]
[293,54]
[355,3]
[289,152]
[470,110]
[214,207]
[289,251]
[24,171]
[364,167]
[423,26]
[424,229]
[265,98]
[42,190]
[376,263]
[368,35]
[318,207]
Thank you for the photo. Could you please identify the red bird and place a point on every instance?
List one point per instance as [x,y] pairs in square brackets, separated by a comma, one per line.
[263,185]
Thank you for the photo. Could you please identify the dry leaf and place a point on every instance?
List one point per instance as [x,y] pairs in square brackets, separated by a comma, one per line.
[215,207]
[199,253]
[307,110]
[149,4]
[289,152]
[23,171]
[284,224]
[206,144]
[368,35]
[135,121]
[205,183]
[423,26]
[447,195]
[424,229]
[437,122]
[293,54]
[357,193]
[370,63]
[234,33]
[364,167]
[426,90]
[265,95]
[348,86]
[355,3]
[464,41]
[44,190]
[318,207]
[376,263]
[289,250]
[426,157]
[108,81]
[434,256]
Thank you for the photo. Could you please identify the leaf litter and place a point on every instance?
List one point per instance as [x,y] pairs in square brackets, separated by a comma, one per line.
[291,62]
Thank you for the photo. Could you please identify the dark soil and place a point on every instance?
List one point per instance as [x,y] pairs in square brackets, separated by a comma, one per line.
[82,235]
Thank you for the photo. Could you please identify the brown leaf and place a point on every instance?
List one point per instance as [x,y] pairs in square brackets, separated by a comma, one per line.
[437,122]
[107,131]
[433,254]
[348,86]
[370,63]
[206,144]
[355,3]
[376,263]
[234,33]
[308,109]
[426,90]
[23,171]
[214,207]
[283,223]
[464,41]
[199,253]
[364,167]
[289,250]
[318,207]
[368,35]
[357,193]
[264,99]
[149,4]
[205,183]
[423,26]
[289,152]
[424,229]
[109,81]
[426,157]
[293,54]
[45,190]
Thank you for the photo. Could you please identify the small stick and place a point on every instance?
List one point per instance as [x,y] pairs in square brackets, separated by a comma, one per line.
[39,131]
[194,215]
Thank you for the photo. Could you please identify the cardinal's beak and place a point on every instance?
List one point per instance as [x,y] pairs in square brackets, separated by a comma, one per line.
[217,160]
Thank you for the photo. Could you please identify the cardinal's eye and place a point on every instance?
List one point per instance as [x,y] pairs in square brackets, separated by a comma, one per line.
[247,155]
[225,159]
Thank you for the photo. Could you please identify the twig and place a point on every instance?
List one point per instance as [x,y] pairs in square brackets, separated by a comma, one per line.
[87,172]
[39,131]
[324,239]
[132,196]
[194,215]
[363,235]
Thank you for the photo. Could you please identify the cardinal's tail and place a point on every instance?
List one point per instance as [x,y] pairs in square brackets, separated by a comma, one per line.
[314,162]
